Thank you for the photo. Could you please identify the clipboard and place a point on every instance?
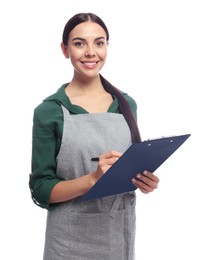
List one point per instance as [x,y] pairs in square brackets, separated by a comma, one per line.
[146,155]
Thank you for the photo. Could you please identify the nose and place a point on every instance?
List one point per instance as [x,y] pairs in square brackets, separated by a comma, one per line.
[90,52]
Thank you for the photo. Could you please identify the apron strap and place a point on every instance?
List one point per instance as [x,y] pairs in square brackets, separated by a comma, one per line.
[66,113]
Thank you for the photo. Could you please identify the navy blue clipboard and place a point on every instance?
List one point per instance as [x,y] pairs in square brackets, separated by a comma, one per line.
[146,155]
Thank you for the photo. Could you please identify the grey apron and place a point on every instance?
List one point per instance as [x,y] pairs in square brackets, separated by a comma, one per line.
[100,229]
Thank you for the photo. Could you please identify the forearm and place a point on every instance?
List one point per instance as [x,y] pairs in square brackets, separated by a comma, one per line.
[67,190]
[70,189]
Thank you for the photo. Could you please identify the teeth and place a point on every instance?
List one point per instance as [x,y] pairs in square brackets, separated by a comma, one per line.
[89,63]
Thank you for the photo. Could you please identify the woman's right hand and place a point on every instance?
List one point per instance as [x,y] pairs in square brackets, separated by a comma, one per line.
[70,189]
[106,160]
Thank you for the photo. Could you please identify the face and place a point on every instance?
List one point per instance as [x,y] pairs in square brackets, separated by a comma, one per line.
[87,49]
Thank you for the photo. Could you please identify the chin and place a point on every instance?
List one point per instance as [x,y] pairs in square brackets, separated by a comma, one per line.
[89,74]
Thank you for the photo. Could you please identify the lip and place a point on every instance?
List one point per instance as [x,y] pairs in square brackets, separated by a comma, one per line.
[89,63]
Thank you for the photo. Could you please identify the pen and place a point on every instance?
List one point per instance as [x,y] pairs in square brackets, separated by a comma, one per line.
[95,159]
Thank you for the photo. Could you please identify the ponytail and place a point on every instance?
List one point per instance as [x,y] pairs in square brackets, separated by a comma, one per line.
[124,109]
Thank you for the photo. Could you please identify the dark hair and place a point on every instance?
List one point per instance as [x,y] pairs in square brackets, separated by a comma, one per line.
[124,107]
[81,18]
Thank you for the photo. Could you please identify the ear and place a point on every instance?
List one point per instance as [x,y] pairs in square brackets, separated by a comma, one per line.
[64,50]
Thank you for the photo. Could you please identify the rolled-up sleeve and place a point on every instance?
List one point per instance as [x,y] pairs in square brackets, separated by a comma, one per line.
[44,151]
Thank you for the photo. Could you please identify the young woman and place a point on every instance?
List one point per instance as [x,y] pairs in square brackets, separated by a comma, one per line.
[85,118]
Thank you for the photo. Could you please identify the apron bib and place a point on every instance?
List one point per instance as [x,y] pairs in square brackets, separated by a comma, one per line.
[100,229]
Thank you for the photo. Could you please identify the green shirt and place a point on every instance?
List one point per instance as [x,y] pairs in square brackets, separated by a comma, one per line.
[46,141]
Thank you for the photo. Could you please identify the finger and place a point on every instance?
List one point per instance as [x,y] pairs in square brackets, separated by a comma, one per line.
[105,164]
[111,153]
[142,186]
[146,182]
[109,161]
[151,182]
[151,176]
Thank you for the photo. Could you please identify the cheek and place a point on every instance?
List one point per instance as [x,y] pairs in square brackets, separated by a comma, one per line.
[103,54]
[74,55]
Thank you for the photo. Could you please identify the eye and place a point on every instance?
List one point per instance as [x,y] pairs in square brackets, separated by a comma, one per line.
[100,43]
[79,44]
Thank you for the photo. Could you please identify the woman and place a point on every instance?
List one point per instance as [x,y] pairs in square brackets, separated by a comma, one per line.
[85,118]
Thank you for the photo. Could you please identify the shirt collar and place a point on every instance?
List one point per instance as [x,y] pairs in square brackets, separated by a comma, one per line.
[61,98]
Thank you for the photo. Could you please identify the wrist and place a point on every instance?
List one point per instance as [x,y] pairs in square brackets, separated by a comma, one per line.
[95,176]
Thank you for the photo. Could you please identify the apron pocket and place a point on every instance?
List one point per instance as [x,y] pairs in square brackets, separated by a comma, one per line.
[97,235]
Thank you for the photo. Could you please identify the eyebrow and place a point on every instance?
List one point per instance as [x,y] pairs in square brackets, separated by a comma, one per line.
[81,39]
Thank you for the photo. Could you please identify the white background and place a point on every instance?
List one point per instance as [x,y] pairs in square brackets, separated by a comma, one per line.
[160,53]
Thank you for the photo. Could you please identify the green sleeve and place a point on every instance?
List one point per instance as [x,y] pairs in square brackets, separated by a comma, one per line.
[44,151]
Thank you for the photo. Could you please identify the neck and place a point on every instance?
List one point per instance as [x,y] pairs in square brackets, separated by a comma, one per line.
[86,84]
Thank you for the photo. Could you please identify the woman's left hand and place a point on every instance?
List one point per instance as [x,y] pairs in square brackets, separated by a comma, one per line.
[146,181]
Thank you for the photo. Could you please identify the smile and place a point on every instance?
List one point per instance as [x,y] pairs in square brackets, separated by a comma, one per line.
[89,64]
